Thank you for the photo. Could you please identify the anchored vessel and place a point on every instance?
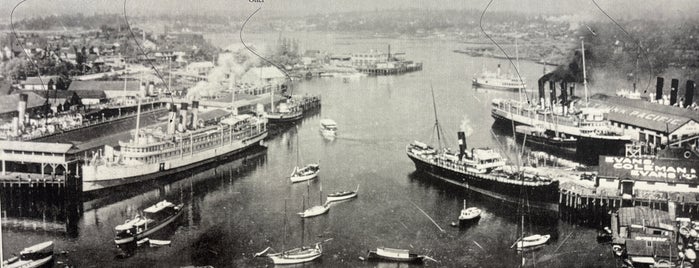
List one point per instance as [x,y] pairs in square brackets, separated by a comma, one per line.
[496,80]
[153,219]
[540,137]
[328,128]
[392,254]
[35,256]
[190,140]
[470,214]
[287,111]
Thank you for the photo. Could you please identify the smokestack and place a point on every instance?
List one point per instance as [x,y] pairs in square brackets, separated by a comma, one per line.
[673,91]
[552,88]
[564,96]
[462,143]
[172,120]
[15,126]
[542,98]
[195,112]
[689,93]
[22,110]
[572,90]
[183,114]
[151,88]
[142,89]
[659,88]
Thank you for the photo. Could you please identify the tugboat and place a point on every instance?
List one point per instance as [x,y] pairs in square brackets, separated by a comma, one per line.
[141,226]
[287,112]
[34,256]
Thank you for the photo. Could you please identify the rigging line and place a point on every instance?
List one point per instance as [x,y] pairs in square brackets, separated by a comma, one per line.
[12,25]
[480,24]
[157,73]
[258,55]
[638,43]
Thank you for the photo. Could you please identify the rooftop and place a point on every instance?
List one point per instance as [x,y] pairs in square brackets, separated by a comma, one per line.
[8,103]
[59,148]
[103,85]
[645,216]
[644,114]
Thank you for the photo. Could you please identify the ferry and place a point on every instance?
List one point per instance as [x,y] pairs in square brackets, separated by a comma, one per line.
[153,219]
[328,128]
[496,80]
[191,139]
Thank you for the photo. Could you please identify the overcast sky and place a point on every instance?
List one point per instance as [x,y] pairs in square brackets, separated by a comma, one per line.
[585,8]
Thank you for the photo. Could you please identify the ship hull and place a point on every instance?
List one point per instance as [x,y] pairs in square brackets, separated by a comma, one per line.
[149,231]
[543,196]
[102,178]
[482,84]
[567,148]
[284,118]
[587,149]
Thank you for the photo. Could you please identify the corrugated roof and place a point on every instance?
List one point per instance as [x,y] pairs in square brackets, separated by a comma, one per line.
[83,94]
[45,147]
[213,114]
[641,113]
[645,216]
[104,85]
[8,103]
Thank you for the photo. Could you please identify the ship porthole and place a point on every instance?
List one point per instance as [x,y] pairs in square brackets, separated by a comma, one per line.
[687,154]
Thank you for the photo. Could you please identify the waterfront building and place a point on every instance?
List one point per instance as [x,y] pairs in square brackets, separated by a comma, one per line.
[646,234]
[650,123]
[36,83]
[201,68]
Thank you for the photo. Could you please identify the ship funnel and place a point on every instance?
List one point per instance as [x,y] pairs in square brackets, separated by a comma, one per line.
[22,110]
[542,98]
[462,143]
[572,90]
[564,97]
[184,117]
[689,93]
[195,114]
[659,88]
[172,120]
[552,97]
[673,91]
[151,88]
[142,90]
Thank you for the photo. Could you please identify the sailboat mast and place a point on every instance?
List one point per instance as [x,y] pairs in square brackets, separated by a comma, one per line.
[436,120]
[517,59]
[584,73]
[284,235]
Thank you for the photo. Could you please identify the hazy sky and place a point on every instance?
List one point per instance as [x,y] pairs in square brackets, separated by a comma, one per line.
[586,8]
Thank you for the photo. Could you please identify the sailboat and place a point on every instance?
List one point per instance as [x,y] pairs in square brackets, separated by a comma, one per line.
[295,255]
[320,209]
[308,172]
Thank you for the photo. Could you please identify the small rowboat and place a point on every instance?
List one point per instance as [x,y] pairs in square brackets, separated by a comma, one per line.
[392,254]
[159,243]
[342,195]
[532,241]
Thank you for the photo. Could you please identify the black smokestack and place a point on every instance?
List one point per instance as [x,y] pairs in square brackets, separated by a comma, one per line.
[564,93]
[689,93]
[541,91]
[659,88]
[572,90]
[462,143]
[673,91]
[552,88]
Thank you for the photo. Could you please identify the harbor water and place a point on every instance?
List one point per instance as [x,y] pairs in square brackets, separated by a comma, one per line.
[235,208]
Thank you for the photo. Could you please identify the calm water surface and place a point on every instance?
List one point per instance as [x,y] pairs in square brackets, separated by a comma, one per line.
[236,208]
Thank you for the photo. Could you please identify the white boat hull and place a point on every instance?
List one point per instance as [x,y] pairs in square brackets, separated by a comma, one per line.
[304,178]
[148,232]
[29,263]
[340,198]
[532,241]
[103,176]
[315,211]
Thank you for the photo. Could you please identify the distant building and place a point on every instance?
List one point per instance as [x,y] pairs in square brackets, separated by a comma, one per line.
[36,83]
[262,76]
[8,104]
[370,58]
[200,67]
[110,89]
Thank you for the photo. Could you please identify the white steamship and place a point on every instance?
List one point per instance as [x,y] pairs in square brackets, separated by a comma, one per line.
[191,139]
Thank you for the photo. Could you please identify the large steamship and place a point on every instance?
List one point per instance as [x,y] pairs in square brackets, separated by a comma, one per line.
[482,169]
[191,139]
[559,114]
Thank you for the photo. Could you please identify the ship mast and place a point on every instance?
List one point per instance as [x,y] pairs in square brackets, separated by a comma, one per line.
[584,73]
[517,59]
[436,120]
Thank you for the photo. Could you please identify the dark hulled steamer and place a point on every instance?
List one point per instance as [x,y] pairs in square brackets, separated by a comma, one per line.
[482,169]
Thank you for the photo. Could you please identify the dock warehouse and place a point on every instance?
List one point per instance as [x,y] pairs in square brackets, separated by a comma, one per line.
[651,123]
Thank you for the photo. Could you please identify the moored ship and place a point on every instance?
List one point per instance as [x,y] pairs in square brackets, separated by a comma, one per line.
[191,139]
[153,219]
[481,168]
